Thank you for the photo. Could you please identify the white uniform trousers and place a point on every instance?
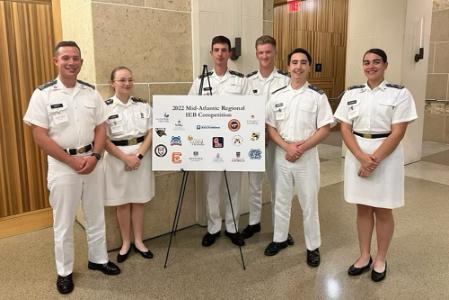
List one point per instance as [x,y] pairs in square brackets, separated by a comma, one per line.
[66,191]
[255,186]
[216,186]
[301,178]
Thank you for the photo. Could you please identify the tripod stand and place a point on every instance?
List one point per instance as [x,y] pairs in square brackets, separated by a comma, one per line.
[185,177]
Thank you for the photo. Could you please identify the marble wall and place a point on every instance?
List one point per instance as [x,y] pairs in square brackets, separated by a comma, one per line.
[436,122]
[154,39]
[268,17]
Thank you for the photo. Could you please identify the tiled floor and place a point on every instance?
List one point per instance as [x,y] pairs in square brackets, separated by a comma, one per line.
[417,264]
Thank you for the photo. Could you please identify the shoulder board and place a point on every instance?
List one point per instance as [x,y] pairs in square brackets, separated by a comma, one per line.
[236,73]
[356,87]
[46,85]
[396,86]
[109,101]
[251,74]
[86,84]
[316,89]
[283,72]
[208,74]
[137,99]
[278,90]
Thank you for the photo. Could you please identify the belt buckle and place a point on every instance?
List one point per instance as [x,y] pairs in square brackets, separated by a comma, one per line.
[367,135]
[132,141]
[81,150]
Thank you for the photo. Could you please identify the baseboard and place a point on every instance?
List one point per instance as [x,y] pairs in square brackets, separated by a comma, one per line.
[27,222]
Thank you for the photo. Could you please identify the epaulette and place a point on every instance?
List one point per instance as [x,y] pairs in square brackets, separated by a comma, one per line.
[48,84]
[208,74]
[251,74]
[137,99]
[278,90]
[109,101]
[236,73]
[283,72]
[316,89]
[396,86]
[356,87]
[86,84]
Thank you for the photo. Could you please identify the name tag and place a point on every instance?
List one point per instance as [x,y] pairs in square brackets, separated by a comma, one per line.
[55,106]
[60,118]
[352,102]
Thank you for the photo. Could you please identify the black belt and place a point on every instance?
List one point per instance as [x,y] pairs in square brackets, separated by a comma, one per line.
[371,135]
[80,150]
[129,142]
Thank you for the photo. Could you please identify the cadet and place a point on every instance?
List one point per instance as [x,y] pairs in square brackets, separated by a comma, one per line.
[67,118]
[263,82]
[298,118]
[222,82]
[374,117]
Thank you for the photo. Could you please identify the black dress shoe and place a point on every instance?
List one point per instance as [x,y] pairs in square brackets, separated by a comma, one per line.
[313,258]
[108,268]
[209,239]
[290,240]
[354,271]
[65,284]
[145,254]
[236,238]
[274,247]
[121,258]
[376,276]
[250,230]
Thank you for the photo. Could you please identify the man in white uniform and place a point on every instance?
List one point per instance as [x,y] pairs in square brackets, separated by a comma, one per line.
[67,118]
[298,118]
[263,82]
[221,81]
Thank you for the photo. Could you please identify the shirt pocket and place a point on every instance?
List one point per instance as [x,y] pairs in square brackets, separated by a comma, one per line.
[385,109]
[115,124]
[89,109]
[308,113]
[142,119]
[58,115]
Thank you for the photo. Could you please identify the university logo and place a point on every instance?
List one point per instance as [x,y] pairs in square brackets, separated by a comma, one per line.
[218,158]
[217,142]
[160,132]
[255,154]
[255,136]
[234,125]
[238,157]
[237,140]
[195,141]
[176,157]
[160,150]
[175,141]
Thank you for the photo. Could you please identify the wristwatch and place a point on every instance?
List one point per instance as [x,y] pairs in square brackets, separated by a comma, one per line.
[97,155]
[139,156]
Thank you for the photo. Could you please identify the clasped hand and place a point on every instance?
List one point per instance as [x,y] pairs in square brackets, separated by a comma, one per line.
[83,164]
[294,151]
[368,163]
[132,162]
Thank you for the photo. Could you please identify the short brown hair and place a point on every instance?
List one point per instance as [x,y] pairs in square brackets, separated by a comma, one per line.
[65,44]
[266,39]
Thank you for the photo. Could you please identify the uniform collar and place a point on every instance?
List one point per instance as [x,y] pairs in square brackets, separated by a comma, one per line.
[270,77]
[224,77]
[60,86]
[382,86]
[120,103]
[300,90]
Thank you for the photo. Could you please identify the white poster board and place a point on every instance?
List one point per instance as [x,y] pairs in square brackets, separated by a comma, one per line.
[208,133]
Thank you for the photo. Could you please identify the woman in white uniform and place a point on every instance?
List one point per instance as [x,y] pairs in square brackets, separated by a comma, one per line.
[374,118]
[129,178]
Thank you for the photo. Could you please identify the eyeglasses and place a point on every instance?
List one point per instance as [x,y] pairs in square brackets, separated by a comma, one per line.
[123,80]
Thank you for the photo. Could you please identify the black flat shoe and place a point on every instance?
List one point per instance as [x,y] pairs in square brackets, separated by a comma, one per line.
[354,271]
[108,268]
[235,238]
[273,248]
[65,284]
[376,276]
[121,258]
[209,239]
[145,254]
[250,230]
[313,258]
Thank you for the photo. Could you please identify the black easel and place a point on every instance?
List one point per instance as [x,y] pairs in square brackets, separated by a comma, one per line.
[185,177]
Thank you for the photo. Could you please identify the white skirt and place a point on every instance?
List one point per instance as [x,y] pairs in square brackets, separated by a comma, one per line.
[124,187]
[384,187]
